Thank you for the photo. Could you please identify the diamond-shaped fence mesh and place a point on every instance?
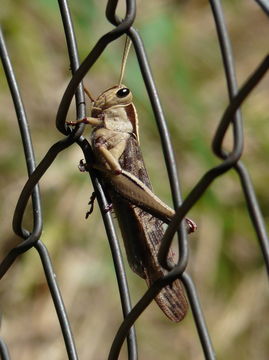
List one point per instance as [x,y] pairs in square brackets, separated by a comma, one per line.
[31,236]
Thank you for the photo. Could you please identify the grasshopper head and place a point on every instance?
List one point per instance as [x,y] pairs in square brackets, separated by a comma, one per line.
[118,95]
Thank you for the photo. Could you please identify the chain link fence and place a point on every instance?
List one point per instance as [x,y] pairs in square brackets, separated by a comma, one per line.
[228,160]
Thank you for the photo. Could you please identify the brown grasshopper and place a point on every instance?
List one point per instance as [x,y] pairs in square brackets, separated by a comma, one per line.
[140,213]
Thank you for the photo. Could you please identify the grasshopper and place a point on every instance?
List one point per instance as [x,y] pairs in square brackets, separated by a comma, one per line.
[140,213]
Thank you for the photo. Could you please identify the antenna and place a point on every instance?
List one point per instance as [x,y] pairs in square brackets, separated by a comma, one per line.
[127,46]
[88,94]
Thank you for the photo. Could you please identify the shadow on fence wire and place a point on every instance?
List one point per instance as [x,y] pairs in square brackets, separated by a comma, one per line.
[231,117]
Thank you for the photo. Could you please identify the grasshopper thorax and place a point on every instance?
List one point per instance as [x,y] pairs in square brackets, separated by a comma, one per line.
[118,95]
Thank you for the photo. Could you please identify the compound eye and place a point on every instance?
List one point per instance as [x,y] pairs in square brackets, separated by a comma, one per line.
[123,92]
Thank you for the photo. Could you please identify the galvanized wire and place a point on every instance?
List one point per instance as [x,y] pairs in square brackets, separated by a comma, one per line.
[231,117]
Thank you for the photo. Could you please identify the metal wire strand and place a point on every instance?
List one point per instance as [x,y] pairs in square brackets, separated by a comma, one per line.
[264,5]
[4,353]
[34,237]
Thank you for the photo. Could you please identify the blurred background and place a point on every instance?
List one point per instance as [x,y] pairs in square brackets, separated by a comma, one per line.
[225,260]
